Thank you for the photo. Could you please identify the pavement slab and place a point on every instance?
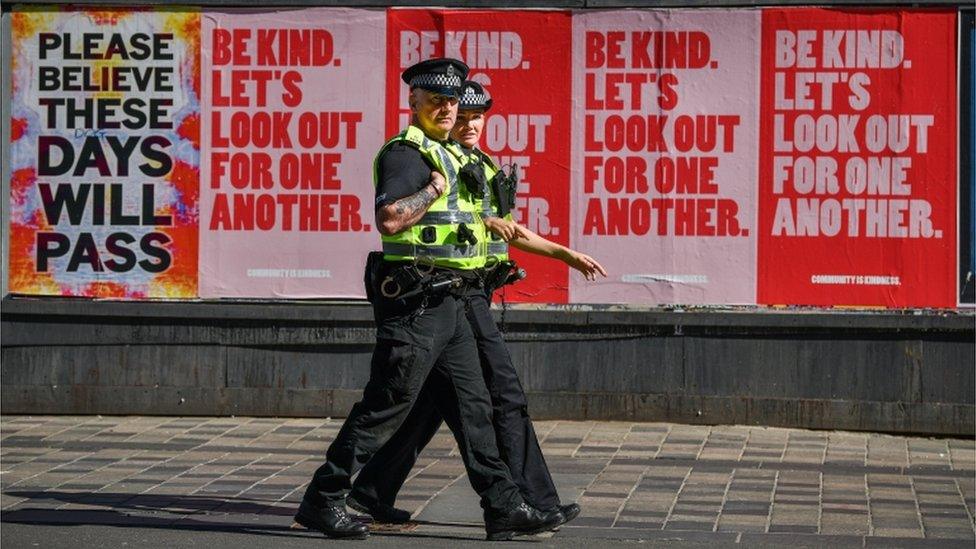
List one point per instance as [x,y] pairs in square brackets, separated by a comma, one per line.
[77,481]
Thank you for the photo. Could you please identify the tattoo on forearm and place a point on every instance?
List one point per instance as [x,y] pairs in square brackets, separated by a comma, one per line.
[415,203]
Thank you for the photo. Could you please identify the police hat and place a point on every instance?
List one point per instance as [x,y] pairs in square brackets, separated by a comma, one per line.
[473,97]
[442,75]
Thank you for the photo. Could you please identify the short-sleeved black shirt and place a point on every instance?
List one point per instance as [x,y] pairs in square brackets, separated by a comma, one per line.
[401,172]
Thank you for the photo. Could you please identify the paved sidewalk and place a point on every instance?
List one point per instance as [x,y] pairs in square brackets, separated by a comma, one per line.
[222,482]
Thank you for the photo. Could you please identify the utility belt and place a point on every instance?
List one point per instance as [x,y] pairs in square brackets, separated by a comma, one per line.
[404,280]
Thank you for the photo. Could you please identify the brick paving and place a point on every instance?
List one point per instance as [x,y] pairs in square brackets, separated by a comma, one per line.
[635,481]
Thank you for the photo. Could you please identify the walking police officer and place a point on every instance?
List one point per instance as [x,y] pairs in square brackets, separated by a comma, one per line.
[377,485]
[433,242]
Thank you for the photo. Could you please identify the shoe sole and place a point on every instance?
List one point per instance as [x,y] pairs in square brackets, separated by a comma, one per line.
[311,526]
[506,535]
[500,536]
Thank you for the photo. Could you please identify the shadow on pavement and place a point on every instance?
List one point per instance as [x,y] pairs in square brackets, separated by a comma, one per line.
[187,512]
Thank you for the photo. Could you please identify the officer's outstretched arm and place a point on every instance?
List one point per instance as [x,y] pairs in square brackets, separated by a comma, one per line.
[504,228]
[530,242]
[404,213]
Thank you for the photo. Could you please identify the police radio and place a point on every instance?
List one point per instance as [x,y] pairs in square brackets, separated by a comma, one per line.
[472,175]
[504,185]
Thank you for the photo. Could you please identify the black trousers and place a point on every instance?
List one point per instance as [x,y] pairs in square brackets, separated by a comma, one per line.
[437,342]
[381,478]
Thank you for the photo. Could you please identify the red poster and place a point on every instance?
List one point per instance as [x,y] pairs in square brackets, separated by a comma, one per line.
[523,60]
[857,194]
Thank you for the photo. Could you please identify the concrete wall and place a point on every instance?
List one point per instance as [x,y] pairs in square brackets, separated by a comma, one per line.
[861,371]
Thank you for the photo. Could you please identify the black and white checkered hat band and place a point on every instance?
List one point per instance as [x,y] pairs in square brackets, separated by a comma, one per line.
[431,79]
[473,100]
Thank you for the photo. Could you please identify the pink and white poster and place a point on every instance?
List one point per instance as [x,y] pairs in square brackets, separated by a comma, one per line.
[293,117]
[664,157]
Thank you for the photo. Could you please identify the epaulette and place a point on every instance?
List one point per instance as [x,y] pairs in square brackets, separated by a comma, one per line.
[416,138]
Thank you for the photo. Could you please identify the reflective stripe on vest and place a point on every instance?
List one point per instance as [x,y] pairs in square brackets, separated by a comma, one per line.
[446,218]
[489,169]
[498,248]
[452,197]
[438,251]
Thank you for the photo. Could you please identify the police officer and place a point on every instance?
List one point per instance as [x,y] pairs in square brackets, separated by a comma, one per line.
[472,111]
[375,489]
[431,247]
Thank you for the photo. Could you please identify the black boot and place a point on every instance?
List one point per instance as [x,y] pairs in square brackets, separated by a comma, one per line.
[566,512]
[380,512]
[331,520]
[519,520]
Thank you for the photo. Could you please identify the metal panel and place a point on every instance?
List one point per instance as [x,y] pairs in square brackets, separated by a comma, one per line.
[886,371]
[537,323]
[946,372]
[115,366]
[322,367]
[646,365]
[842,368]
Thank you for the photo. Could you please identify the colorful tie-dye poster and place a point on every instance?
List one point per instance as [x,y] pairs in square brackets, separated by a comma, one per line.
[104,153]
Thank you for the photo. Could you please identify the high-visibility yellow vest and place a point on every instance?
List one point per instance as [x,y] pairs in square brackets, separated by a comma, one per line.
[454,207]
[497,248]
